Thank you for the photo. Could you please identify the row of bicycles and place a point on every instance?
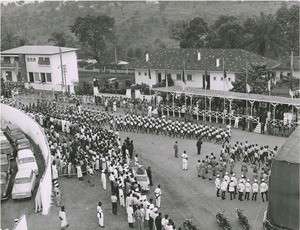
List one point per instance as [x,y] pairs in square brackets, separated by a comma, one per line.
[222,220]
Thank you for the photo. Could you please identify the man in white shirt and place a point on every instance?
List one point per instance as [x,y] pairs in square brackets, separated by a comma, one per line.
[100,215]
[184,160]
[264,190]
[157,193]
[62,216]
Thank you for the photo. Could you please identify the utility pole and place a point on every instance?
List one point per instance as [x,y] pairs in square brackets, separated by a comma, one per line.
[62,71]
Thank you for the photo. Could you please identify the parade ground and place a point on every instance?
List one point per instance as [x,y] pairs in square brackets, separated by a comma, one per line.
[184,195]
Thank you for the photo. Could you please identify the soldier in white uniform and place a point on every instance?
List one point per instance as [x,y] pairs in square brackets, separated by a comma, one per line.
[184,160]
[247,189]
[100,215]
[103,179]
[264,190]
[254,190]
[157,193]
[218,185]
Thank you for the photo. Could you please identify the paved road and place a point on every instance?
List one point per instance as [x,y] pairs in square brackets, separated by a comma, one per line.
[183,193]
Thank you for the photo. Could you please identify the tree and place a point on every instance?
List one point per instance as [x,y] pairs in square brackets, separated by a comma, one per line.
[130,53]
[226,32]
[288,19]
[138,53]
[177,30]
[59,39]
[195,34]
[257,79]
[94,32]
[9,40]
[263,36]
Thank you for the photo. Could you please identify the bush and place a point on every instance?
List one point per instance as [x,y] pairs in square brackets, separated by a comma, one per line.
[84,88]
[82,64]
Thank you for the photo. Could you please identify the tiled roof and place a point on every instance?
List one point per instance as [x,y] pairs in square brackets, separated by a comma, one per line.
[43,50]
[235,59]
[286,63]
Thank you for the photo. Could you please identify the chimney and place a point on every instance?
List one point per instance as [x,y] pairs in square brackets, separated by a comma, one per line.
[217,62]
[199,56]
[147,57]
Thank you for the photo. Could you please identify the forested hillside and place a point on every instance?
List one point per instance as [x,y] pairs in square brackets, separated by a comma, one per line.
[139,26]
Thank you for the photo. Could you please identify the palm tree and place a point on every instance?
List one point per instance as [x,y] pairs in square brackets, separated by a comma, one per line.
[264,36]
[58,38]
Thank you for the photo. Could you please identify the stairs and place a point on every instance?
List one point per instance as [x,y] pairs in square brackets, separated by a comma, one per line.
[258,127]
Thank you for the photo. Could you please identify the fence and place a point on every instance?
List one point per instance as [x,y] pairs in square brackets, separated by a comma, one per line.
[36,133]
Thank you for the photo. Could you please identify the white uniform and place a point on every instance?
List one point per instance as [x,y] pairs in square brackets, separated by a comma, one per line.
[184,161]
[63,218]
[130,218]
[157,196]
[121,197]
[103,179]
[100,216]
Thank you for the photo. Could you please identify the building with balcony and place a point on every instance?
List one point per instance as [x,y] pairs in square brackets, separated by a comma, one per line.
[195,64]
[41,67]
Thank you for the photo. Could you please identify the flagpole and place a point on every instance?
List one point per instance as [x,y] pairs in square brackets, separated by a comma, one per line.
[205,85]
[291,79]
[166,75]
[224,87]
[247,91]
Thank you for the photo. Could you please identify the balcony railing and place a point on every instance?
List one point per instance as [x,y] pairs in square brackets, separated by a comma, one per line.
[7,65]
[43,62]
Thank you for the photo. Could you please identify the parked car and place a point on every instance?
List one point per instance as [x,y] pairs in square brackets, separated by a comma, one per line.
[5,176]
[7,149]
[141,176]
[26,159]
[14,133]
[23,143]
[24,184]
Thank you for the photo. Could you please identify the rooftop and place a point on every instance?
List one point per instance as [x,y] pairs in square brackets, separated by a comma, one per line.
[42,50]
[234,59]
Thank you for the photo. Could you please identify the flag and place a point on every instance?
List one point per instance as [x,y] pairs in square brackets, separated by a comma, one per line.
[183,73]
[166,74]
[149,71]
[224,70]
[269,85]
[291,93]
[292,70]
[205,80]
[248,88]
[247,74]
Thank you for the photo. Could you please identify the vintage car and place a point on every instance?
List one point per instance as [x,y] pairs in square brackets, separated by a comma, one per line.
[5,176]
[14,133]
[23,143]
[141,176]
[26,159]
[24,184]
[7,149]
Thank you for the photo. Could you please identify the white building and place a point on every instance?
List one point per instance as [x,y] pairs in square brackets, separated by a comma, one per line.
[194,63]
[42,67]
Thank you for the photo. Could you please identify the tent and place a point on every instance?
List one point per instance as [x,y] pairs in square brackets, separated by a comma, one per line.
[283,206]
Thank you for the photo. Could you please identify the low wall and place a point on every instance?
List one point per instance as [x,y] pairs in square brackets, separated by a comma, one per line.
[36,133]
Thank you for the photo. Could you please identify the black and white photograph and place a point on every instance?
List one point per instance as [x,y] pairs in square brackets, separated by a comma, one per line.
[150,115]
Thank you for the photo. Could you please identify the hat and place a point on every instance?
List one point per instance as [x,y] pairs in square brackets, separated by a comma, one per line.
[155,210]
[218,175]
[242,176]
[233,174]
[248,180]
[263,180]
[226,173]
[255,180]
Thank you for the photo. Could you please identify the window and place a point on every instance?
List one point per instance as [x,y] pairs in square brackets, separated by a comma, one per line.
[215,78]
[36,76]
[145,73]
[229,79]
[169,75]
[31,59]
[139,73]
[31,78]
[8,75]
[6,60]
[44,61]
[221,78]
[189,77]
[49,78]
[178,77]
[43,77]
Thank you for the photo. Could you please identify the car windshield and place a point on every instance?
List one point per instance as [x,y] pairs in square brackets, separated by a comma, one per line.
[23,180]
[26,160]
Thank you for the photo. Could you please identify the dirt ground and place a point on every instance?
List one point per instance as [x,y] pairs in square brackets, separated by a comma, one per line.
[184,195]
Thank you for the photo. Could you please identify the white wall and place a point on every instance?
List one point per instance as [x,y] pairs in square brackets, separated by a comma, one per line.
[218,84]
[36,133]
[141,76]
